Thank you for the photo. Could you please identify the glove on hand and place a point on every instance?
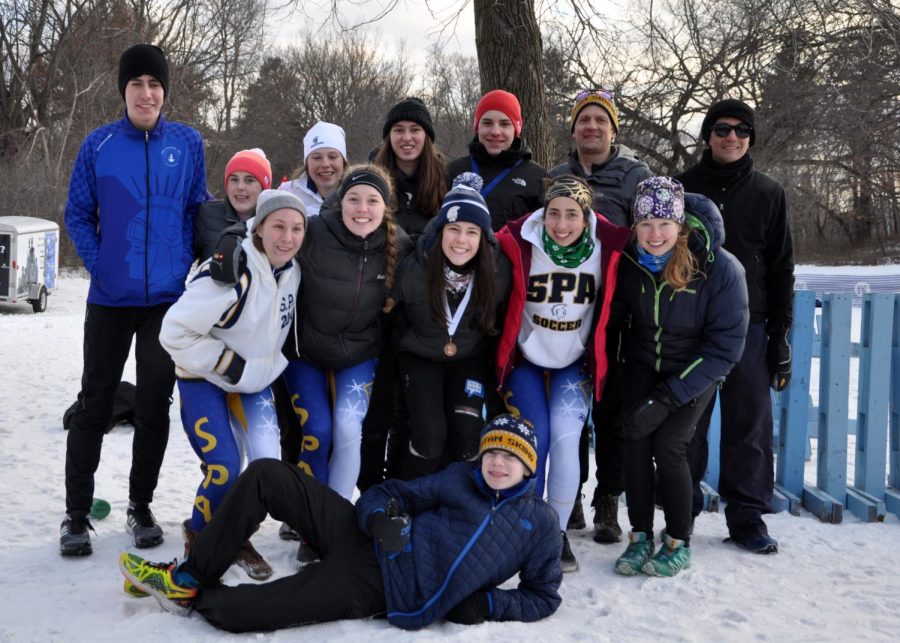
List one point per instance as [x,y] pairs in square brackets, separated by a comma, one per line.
[235,369]
[471,610]
[778,358]
[228,260]
[649,414]
[390,528]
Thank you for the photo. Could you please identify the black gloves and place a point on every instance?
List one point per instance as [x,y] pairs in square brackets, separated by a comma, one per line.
[778,358]
[235,369]
[649,414]
[390,528]
[228,260]
[471,610]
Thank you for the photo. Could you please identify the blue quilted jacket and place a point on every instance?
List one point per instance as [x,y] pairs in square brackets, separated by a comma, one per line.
[467,537]
[132,200]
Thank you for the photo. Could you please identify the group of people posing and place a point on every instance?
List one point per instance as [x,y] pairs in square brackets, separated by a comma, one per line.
[442,337]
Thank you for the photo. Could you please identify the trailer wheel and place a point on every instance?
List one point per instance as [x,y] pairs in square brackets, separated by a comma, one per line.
[39,305]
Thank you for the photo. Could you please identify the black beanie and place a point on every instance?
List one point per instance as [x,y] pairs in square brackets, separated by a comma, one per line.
[140,60]
[729,107]
[411,109]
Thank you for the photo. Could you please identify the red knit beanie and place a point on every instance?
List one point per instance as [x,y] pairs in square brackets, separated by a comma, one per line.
[503,102]
[253,162]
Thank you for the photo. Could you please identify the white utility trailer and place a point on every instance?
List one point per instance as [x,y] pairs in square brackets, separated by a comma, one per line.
[29,260]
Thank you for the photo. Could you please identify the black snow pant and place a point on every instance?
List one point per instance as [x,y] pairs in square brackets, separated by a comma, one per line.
[667,446]
[108,332]
[346,583]
[445,401]
[747,460]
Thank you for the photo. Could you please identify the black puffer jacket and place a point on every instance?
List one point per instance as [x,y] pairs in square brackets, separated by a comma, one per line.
[212,218]
[520,192]
[613,181]
[696,335]
[416,330]
[754,208]
[339,318]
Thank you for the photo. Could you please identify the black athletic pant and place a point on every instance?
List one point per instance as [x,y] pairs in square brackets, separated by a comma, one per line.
[445,402]
[385,429]
[747,471]
[107,341]
[666,447]
[609,441]
[346,583]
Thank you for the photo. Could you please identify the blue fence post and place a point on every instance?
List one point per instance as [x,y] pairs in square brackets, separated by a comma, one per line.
[892,493]
[826,499]
[793,410]
[865,497]
[710,483]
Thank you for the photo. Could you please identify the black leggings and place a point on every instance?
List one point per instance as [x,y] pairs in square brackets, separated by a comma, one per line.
[445,402]
[666,447]
[345,584]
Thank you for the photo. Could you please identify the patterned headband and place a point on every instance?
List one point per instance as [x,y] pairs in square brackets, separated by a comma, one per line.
[570,187]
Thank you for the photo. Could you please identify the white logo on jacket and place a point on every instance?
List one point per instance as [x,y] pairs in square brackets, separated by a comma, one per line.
[520,181]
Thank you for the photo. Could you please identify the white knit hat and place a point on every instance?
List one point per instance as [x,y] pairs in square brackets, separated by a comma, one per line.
[324,134]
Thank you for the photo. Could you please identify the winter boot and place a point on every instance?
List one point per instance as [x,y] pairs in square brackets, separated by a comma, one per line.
[143,526]
[74,539]
[606,520]
[567,558]
[671,558]
[252,562]
[158,580]
[306,554]
[286,532]
[638,552]
[576,518]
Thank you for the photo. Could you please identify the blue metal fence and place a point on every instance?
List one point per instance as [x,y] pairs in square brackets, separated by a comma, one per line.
[875,487]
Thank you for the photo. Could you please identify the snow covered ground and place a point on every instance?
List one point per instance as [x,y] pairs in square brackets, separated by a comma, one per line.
[829,582]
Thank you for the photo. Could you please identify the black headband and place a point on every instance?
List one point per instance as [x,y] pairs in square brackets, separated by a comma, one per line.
[365,177]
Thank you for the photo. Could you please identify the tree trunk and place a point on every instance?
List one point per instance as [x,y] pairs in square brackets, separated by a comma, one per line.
[508,40]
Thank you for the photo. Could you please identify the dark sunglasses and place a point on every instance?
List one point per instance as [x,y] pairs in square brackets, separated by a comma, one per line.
[742,130]
[602,93]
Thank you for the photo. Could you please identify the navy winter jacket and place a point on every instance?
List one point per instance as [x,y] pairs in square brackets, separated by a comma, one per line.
[696,335]
[133,197]
[465,538]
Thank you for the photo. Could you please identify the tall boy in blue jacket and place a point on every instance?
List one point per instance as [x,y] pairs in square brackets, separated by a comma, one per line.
[133,195]
[437,547]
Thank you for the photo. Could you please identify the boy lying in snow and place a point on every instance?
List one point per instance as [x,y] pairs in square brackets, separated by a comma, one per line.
[436,547]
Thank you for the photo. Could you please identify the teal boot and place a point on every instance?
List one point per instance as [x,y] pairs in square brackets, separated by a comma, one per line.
[638,552]
[671,558]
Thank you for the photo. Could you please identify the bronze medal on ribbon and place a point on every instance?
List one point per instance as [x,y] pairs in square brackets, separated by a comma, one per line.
[450,348]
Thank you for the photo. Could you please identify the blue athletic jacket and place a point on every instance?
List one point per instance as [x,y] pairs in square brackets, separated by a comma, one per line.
[120,175]
[466,537]
[696,335]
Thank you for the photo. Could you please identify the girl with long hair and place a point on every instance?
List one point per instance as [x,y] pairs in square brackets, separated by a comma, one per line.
[448,295]
[686,299]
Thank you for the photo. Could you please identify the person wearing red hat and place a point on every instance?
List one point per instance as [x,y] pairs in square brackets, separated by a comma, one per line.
[246,175]
[513,183]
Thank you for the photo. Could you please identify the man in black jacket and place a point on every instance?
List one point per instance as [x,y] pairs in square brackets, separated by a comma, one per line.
[754,209]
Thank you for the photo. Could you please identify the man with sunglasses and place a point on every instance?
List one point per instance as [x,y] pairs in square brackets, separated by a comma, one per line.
[754,209]
[613,171]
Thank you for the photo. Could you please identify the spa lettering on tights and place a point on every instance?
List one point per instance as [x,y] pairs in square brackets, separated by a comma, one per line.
[553,287]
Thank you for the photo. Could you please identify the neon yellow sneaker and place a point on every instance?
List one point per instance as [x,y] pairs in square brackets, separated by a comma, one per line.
[156,579]
[132,590]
